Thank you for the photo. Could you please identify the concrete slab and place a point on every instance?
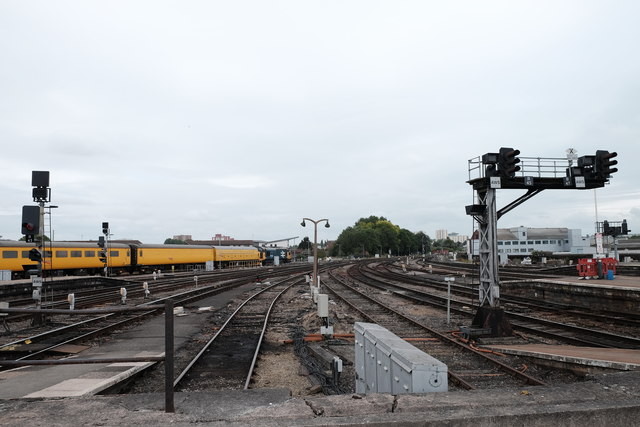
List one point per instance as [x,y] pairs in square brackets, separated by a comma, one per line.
[351,405]
[611,358]
[603,400]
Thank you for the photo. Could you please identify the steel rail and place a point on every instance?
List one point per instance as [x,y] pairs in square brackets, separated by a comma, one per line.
[606,339]
[262,333]
[195,360]
[514,372]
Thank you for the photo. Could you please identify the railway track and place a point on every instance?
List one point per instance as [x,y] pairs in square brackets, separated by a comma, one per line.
[228,359]
[95,296]
[77,332]
[561,331]
[466,288]
[468,367]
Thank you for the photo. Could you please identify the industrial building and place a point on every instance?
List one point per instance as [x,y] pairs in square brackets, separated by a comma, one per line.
[523,241]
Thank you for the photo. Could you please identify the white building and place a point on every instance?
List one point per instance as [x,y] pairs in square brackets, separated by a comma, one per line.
[522,241]
[457,237]
[441,234]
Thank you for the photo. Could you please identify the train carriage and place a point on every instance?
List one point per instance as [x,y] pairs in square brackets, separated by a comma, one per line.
[147,257]
[237,256]
[64,258]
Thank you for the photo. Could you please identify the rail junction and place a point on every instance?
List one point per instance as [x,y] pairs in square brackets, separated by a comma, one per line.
[235,334]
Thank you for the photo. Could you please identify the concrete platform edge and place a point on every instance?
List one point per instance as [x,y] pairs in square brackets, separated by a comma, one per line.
[607,399]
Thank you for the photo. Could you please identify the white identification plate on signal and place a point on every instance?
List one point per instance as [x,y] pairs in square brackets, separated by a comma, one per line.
[495,182]
[580,182]
[36,282]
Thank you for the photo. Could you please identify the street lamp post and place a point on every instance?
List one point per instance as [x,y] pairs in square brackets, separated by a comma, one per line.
[315,245]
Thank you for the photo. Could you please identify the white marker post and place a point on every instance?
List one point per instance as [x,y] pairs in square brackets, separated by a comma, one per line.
[449,279]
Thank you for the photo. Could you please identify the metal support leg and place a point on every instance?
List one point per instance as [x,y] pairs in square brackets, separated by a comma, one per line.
[168,357]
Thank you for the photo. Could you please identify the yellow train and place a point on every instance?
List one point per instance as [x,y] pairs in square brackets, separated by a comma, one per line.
[67,258]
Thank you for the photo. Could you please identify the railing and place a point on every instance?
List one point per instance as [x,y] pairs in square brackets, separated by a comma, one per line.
[168,344]
[539,167]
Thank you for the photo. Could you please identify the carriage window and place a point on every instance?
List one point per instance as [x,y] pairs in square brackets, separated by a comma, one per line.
[47,254]
[140,252]
[25,254]
[76,254]
[9,254]
[62,254]
[89,254]
[114,253]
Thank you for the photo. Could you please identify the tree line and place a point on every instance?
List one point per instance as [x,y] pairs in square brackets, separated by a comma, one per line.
[378,235]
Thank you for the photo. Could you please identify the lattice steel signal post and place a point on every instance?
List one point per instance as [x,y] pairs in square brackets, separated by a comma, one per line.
[506,170]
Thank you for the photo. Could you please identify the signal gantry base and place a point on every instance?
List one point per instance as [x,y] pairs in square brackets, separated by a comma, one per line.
[493,319]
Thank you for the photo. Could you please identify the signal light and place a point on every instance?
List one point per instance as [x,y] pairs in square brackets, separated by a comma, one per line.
[105,228]
[102,256]
[30,220]
[35,255]
[490,160]
[625,227]
[508,162]
[603,164]
[40,194]
[101,241]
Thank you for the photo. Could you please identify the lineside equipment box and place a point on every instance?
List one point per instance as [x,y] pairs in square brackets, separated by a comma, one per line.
[385,363]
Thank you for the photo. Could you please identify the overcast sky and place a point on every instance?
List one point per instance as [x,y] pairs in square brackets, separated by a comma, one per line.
[242,117]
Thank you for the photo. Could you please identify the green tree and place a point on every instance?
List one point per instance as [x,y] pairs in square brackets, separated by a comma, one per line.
[422,239]
[406,242]
[376,234]
[174,242]
[448,244]
[305,244]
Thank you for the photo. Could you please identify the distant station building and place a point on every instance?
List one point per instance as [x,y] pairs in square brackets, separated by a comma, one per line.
[441,234]
[458,238]
[523,241]
[444,235]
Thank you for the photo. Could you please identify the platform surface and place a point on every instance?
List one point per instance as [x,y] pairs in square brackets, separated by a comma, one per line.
[613,358]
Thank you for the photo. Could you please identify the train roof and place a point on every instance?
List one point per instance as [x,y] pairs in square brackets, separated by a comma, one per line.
[162,246]
[253,248]
[46,245]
